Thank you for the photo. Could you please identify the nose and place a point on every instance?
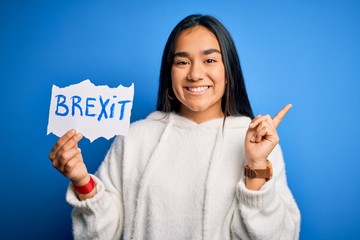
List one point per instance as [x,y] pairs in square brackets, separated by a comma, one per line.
[196,72]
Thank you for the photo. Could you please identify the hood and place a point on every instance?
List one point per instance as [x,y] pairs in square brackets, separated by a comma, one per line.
[182,122]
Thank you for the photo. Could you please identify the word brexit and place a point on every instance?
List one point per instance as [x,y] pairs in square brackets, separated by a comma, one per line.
[62,106]
[95,111]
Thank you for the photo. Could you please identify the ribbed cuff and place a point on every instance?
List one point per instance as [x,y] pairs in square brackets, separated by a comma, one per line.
[256,199]
[88,205]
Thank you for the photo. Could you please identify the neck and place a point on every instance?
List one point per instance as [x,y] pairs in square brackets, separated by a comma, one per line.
[200,117]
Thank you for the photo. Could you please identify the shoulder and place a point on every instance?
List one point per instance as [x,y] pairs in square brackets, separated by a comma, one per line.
[146,129]
[143,132]
[154,121]
[237,122]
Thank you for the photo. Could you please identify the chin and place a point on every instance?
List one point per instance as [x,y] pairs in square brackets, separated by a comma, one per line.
[196,108]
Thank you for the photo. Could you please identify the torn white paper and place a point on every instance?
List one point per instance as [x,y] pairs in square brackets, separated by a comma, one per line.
[94,111]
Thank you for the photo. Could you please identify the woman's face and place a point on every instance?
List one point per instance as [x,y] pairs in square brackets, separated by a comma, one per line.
[198,74]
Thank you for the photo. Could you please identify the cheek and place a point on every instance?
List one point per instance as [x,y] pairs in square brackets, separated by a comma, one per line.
[175,83]
[176,78]
[172,73]
[220,77]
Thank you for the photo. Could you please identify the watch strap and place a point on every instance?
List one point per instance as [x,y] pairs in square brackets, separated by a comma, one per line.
[259,173]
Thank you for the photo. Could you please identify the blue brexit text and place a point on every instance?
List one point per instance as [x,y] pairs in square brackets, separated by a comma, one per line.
[108,106]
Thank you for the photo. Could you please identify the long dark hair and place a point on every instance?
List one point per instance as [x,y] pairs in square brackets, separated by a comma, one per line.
[235,101]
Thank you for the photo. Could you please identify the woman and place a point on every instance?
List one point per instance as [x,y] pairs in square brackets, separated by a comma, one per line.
[179,174]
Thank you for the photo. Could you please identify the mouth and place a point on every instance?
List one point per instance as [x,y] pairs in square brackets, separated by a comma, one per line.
[197,89]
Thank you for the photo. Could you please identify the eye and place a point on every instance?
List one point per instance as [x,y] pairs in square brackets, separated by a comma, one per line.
[210,60]
[181,62]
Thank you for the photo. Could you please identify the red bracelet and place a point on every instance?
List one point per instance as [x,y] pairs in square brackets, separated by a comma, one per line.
[86,188]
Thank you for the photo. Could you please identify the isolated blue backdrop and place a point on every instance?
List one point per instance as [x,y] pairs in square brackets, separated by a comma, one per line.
[304,52]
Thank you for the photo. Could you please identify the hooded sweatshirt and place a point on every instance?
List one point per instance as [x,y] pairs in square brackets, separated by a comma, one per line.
[171,178]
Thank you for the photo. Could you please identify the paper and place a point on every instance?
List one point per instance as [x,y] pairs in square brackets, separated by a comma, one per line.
[94,111]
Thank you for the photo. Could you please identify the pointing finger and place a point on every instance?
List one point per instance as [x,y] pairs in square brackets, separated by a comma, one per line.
[281,114]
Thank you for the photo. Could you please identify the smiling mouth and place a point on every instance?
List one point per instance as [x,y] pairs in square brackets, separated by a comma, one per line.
[198,89]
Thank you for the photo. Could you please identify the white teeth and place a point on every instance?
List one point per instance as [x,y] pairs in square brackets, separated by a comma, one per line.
[198,89]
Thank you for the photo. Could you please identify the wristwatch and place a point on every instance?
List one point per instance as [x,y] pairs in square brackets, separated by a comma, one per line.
[259,173]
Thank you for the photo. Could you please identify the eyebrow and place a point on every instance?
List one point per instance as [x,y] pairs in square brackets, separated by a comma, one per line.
[210,51]
[203,52]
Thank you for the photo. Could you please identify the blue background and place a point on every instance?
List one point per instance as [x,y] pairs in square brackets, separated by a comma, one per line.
[304,52]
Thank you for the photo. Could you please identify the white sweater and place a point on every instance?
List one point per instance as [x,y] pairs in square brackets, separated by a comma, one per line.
[171,178]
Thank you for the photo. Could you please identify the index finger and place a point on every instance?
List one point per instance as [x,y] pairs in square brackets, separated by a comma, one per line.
[281,114]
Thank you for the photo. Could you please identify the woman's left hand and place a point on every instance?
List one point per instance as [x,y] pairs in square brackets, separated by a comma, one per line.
[262,137]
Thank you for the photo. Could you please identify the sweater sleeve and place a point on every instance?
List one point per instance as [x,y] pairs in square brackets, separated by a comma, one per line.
[271,212]
[101,217]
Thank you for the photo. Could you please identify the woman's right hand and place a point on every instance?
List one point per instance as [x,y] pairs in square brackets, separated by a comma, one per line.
[66,157]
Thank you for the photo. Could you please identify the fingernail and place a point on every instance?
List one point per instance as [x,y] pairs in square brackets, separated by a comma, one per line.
[253,139]
[79,136]
[72,131]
